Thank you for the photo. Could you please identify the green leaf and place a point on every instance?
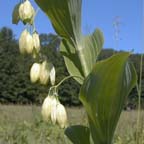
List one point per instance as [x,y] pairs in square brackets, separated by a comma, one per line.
[72,61]
[91,47]
[80,52]
[103,94]
[65,16]
[78,134]
[15,14]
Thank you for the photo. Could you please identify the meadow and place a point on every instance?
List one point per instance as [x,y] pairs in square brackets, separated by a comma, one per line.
[24,125]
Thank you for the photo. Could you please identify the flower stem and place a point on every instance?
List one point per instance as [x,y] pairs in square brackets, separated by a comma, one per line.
[56,86]
[53,91]
[139,91]
[66,78]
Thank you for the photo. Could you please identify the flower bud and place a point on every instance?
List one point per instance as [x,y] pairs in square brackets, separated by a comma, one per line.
[47,107]
[36,42]
[26,42]
[35,72]
[52,75]
[22,42]
[44,73]
[61,115]
[26,12]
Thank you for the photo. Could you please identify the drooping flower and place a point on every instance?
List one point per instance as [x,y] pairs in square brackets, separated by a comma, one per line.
[35,72]
[47,107]
[22,47]
[53,110]
[61,115]
[26,42]
[52,75]
[36,42]
[53,114]
[44,73]
[26,12]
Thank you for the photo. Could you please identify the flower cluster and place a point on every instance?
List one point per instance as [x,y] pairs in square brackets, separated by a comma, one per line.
[26,12]
[53,110]
[28,43]
[41,71]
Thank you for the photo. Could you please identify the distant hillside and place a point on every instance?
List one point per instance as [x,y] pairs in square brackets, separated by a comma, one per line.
[15,85]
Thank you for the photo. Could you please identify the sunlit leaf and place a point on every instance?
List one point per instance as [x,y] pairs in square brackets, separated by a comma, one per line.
[72,61]
[65,16]
[91,47]
[80,52]
[103,94]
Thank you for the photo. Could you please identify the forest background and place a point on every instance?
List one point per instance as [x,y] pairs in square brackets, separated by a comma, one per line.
[15,85]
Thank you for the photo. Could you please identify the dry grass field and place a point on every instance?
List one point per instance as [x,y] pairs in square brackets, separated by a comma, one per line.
[24,125]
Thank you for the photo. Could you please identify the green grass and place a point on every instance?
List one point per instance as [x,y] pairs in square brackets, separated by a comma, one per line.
[24,125]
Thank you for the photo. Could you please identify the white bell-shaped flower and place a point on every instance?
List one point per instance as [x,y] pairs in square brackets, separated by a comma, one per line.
[47,107]
[26,12]
[36,42]
[61,115]
[22,41]
[35,72]
[44,74]
[29,43]
[26,42]
[52,75]
[53,114]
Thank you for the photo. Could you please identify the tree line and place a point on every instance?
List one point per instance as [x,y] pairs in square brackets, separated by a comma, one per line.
[15,85]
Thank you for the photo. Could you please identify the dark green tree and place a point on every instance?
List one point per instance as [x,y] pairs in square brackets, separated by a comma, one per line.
[15,85]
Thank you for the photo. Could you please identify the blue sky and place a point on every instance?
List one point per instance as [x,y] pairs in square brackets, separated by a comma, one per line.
[95,13]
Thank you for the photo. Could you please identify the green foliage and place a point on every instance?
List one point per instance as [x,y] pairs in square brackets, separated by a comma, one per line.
[14,77]
[78,134]
[103,94]
[88,50]
[80,52]
[65,17]
[6,35]
[14,74]
[105,85]
[132,100]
